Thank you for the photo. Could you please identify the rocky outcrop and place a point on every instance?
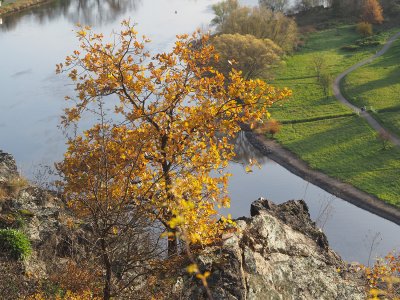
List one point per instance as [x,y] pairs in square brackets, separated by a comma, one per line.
[277,253]
[8,167]
[43,218]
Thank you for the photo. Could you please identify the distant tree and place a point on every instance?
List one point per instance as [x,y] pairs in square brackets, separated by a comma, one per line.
[371,12]
[273,127]
[391,7]
[364,28]
[246,53]
[319,64]
[222,10]
[262,23]
[384,138]
[275,5]
[304,5]
[347,7]
[325,81]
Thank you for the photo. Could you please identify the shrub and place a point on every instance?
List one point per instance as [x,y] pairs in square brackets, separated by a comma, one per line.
[350,48]
[383,278]
[384,138]
[16,184]
[368,42]
[273,127]
[15,244]
[364,28]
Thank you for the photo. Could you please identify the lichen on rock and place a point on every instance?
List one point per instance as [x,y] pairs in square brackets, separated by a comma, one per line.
[277,253]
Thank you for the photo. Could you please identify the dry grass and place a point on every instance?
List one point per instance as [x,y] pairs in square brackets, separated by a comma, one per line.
[16,184]
[3,194]
[13,187]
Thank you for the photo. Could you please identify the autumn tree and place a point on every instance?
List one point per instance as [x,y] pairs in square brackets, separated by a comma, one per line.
[158,151]
[260,22]
[273,127]
[246,53]
[371,12]
[364,28]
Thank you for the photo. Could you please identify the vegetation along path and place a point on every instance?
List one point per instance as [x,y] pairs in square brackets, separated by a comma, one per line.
[338,94]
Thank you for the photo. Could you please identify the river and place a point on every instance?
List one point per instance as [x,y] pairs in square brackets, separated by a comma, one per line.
[31,101]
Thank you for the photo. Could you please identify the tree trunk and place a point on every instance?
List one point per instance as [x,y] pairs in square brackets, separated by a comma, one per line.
[172,243]
[107,279]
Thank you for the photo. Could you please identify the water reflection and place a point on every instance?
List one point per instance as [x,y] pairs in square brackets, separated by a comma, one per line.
[88,12]
[32,99]
[355,234]
[245,152]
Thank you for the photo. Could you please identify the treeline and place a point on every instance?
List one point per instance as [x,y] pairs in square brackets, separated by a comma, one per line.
[344,8]
[253,39]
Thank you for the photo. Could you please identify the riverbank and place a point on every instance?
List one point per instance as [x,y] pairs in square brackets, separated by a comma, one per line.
[347,192]
[19,5]
[323,131]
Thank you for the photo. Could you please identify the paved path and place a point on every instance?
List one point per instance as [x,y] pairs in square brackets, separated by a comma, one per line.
[338,94]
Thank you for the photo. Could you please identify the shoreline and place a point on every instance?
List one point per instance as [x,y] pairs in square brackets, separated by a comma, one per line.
[345,191]
[18,7]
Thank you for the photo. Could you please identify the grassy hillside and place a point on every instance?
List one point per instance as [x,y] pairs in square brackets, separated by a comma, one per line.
[377,86]
[325,133]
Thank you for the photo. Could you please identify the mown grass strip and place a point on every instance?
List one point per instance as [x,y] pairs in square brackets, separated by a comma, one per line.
[347,148]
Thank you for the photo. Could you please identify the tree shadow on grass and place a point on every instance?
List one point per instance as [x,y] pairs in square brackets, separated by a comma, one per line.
[390,79]
[347,146]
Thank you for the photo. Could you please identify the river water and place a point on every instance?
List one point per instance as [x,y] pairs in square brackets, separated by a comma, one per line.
[31,101]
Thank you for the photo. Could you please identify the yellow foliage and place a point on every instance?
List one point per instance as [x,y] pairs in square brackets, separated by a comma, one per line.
[364,28]
[86,295]
[177,113]
[384,278]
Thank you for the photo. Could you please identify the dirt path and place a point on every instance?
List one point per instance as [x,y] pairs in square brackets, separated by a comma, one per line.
[338,94]
[342,190]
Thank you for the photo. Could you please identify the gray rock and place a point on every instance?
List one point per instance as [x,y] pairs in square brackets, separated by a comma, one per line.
[278,253]
[8,167]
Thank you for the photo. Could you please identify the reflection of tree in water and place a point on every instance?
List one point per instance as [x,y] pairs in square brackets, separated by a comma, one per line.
[87,12]
[245,152]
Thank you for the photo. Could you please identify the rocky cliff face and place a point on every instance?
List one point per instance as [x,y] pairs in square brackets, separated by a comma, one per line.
[8,168]
[278,253]
[42,217]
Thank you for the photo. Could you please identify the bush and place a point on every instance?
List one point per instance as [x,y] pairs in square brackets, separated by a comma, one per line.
[364,28]
[350,48]
[15,244]
[368,42]
[272,127]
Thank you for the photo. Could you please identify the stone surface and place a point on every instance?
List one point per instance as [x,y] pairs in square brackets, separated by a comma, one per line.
[8,167]
[42,216]
[278,253]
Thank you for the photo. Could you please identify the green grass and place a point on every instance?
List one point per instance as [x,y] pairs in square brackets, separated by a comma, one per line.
[15,243]
[346,148]
[298,74]
[325,133]
[377,85]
